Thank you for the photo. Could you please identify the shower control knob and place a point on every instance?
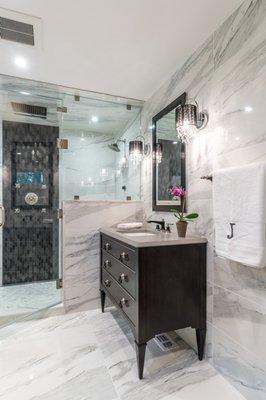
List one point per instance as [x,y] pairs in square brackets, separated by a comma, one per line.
[107,283]
[107,246]
[123,302]
[31,198]
[107,263]
[123,278]
[124,256]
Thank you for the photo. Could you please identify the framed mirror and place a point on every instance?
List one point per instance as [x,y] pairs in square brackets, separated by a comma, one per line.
[169,157]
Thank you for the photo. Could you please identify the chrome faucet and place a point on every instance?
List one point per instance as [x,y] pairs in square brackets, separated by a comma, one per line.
[161,225]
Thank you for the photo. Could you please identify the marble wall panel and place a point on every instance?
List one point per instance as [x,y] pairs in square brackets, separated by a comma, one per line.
[81,259]
[227,76]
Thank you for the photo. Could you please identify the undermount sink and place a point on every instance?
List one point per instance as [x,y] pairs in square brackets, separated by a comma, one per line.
[139,234]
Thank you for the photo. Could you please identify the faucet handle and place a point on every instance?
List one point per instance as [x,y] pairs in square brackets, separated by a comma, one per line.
[168,229]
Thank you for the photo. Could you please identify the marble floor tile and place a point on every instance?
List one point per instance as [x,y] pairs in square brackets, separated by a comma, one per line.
[214,388]
[18,301]
[167,375]
[91,356]
[55,358]
[240,367]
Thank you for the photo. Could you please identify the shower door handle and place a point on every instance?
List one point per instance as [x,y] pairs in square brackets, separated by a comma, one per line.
[3,214]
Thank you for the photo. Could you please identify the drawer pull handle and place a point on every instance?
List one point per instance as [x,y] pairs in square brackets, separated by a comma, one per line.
[107,263]
[124,256]
[107,283]
[107,246]
[123,278]
[123,302]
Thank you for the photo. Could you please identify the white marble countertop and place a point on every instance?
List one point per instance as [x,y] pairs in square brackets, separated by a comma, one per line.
[140,239]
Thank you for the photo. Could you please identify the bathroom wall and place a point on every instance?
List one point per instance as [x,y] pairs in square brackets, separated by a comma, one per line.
[128,175]
[227,76]
[88,167]
[81,258]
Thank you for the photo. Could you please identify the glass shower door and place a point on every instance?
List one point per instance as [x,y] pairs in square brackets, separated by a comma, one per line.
[30,200]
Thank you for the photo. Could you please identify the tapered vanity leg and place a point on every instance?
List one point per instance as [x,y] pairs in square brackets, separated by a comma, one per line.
[103,295]
[201,336]
[140,352]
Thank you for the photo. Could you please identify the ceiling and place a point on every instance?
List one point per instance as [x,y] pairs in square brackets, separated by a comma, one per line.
[91,116]
[120,47]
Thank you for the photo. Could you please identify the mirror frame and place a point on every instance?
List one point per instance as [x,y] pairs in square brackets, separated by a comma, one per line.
[181,100]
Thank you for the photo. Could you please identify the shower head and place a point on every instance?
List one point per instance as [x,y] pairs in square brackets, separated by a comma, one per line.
[114,147]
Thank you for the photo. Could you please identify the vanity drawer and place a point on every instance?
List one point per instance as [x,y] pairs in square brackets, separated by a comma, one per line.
[122,274]
[123,253]
[122,298]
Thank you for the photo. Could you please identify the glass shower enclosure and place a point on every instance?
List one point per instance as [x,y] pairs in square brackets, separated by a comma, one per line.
[57,144]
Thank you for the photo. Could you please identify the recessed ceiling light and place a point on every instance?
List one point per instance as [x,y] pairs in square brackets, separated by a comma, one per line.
[237,138]
[174,142]
[20,62]
[94,118]
[248,109]
[26,93]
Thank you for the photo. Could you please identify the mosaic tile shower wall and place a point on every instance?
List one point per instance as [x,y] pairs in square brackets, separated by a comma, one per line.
[30,198]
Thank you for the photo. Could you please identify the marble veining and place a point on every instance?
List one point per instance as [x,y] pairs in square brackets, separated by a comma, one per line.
[81,223]
[227,77]
[90,356]
[240,318]
[18,301]
[244,370]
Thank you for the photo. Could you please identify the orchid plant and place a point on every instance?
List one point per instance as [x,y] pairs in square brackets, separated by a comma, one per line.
[177,192]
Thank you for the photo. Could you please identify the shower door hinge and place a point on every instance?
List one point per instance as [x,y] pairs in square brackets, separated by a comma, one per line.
[62,109]
[59,213]
[62,144]
[59,283]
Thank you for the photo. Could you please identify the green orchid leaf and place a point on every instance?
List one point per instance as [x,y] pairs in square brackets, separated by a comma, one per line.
[192,216]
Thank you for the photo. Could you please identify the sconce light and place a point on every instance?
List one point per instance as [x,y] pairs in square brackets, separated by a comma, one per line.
[189,121]
[138,148]
[158,153]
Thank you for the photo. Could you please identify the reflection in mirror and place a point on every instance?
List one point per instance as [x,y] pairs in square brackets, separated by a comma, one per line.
[169,167]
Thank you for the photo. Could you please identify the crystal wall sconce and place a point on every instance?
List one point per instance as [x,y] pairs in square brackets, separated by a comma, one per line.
[138,149]
[189,120]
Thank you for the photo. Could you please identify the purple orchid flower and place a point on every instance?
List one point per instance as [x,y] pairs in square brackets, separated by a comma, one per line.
[177,191]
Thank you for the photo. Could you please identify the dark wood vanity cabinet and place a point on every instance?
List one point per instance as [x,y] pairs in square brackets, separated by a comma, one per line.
[157,289]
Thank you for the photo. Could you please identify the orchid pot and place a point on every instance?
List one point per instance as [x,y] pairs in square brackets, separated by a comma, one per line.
[181,227]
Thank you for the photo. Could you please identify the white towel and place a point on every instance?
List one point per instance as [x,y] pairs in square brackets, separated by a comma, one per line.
[239,197]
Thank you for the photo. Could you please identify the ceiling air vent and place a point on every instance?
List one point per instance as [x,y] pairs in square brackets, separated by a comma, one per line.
[29,110]
[16,31]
